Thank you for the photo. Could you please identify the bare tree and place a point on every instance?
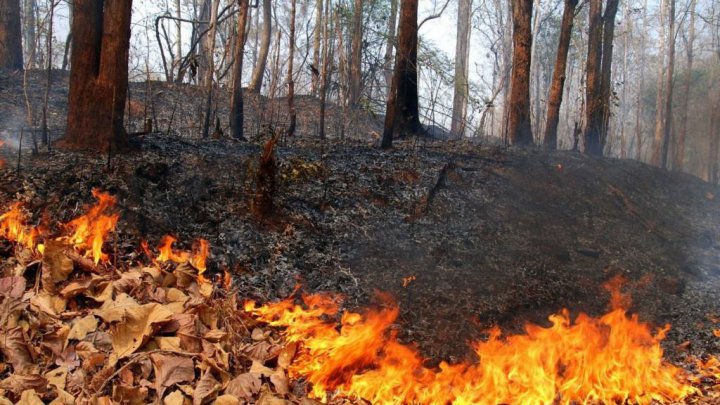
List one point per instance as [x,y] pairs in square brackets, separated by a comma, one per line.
[236,104]
[210,72]
[317,36]
[402,112]
[669,84]
[679,155]
[29,30]
[519,128]
[290,79]
[99,77]
[355,76]
[11,53]
[462,61]
[258,74]
[390,43]
[558,79]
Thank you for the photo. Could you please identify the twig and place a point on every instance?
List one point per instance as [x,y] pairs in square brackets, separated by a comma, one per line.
[22,132]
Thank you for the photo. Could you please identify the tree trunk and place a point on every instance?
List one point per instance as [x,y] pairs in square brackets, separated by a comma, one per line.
[462,61]
[558,79]
[259,72]
[11,53]
[659,99]
[203,53]
[593,86]
[317,37]
[606,68]
[290,79]
[342,60]
[679,155]
[519,128]
[669,72]
[68,41]
[29,31]
[45,139]
[402,116]
[99,77]
[236,104]
[390,44]
[327,22]
[356,55]
[178,33]
[210,71]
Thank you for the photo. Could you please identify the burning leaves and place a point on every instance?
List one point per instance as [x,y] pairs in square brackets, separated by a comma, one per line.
[164,332]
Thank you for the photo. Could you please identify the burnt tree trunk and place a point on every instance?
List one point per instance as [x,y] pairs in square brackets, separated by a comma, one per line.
[258,74]
[99,75]
[402,112]
[519,128]
[11,53]
[593,109]
[558,79]
[606,67]
[236,104]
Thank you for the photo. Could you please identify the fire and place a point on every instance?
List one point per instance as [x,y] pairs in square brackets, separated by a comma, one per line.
[198,258]
[13,227]
[167,254]
[91,229]
[611,359]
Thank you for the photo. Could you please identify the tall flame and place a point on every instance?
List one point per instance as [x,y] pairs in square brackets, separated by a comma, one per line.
[613,358]
[91,229]
[13,227]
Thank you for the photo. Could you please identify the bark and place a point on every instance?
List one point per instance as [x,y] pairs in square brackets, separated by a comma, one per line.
[29,31]
[659,100]
[519,128]
[679,155]
[48,42]
[99,77]
[258,74]
[402,113]
[390,44]
[355,81]
[640,106]
[11,53]
[317,36]
[178,33]
[342,61]
[290,80]
[668,97]
[236,104]
[325,68]
[462,61]
[558,80]
[210,71]
[68,41]
[593,100]
[606,67]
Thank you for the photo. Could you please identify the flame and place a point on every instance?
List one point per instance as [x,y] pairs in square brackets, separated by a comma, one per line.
[198,258]
[611,359]
[227,280]
[13,227]
[91,229]
[167,254]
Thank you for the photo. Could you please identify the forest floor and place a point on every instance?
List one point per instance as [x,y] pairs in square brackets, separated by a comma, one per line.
[462,237]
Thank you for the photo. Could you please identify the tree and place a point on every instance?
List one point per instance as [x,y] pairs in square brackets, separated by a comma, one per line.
[99,75]
[11,53]
[462,60]
[258,74]
[598,71]
[28,30]
[390,44]
[558,79]
[290,79]
[679,155]
[317,36]
[402,112]
[210,72]
[236,104]
[664,130]
[355,78]
[519,128]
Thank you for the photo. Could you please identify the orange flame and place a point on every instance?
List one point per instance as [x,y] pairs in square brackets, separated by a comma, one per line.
[611,359]
[91,229]
[198,258]
[13,227]
[167,254]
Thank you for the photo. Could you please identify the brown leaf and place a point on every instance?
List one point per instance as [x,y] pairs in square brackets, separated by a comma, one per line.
[226,400]
[125,395]
[12,287]
[47,303]
[245,386]
[262,351]
[287,355]
[269,399]
[139,323]
[55,339]
[57,377]
[176,398]
[171,369]
[258,368]
[189,331]
[280,381]
[115,310]
[56,266]
[215,335]
[17,383]
[63,398]
[30,397]
[15,349]
[206,390]
[81,327]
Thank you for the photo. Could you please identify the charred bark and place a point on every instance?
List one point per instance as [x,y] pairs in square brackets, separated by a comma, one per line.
[99,77]
[558,79]
[593,100]
[236,104]
[402,112]
[11,53]
[519,128]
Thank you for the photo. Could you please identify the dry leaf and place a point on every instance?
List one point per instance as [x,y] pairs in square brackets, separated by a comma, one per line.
[171,369]
[30,397]
[244,386]
[168,343]
[176,398]
[12,287]
[81,327]
[269,399]
[125,395]
[215,335]
[206,389]
[57,377]
[15,349]
[280,381]
[262,351]
[287,355]
[63,398]
[56,266]
[140,322]
[259,368]
[47,303]
[226,400]
[17,383]
[114,310]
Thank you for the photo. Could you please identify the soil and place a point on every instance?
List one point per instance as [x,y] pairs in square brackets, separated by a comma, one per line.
[492,236]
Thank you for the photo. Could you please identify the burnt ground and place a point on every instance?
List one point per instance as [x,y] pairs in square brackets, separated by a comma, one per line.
[492,236]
